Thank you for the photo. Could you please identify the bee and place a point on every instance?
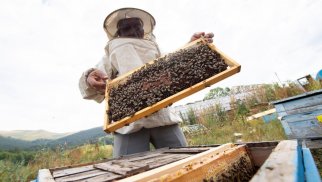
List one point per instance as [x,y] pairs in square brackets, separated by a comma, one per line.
[165,76]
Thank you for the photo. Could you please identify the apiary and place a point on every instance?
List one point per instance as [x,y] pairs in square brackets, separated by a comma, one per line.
[283,160]
[164,81]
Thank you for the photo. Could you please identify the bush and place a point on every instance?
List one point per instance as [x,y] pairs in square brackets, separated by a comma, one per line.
[192,118]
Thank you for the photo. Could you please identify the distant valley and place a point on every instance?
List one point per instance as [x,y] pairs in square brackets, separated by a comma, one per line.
[29,140]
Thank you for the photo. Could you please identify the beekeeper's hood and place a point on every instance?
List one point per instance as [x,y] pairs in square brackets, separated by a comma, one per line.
[110,22]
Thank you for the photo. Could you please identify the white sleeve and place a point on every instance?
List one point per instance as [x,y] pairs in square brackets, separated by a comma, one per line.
[88,92]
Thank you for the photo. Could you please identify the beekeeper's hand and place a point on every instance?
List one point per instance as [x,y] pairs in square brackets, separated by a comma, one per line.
[97,80]
[208,36]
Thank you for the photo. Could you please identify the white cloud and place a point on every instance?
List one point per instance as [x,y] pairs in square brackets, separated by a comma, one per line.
[46,45]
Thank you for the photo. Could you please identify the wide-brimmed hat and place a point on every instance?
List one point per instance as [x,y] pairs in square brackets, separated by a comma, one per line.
[110,22]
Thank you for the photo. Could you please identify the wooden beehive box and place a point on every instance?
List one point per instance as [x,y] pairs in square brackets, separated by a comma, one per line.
[112,125]
[263,161]
[227,162]
[175,164]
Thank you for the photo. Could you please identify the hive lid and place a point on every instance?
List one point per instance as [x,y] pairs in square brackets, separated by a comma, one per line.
[307,94]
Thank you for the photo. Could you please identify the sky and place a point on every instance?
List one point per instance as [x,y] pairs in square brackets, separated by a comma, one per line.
[45,45]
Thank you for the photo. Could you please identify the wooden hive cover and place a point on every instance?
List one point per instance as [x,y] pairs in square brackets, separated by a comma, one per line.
[111,125]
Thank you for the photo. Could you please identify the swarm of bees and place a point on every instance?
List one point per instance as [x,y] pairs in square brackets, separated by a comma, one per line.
[241,170]
[166,76]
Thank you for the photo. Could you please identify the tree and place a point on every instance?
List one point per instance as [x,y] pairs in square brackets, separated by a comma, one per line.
[217,92]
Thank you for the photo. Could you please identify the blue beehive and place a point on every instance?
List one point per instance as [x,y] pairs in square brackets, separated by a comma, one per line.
[299,115]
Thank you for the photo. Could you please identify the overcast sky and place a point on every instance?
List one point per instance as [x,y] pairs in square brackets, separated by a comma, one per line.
[46,45]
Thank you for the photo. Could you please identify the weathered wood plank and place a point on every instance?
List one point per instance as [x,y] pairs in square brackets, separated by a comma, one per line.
[44,175]
[261,114]
[142,154]
[102,178]
[77,165]
[187,150]
[122,167]
[149,157]
[81,176]
[69,171]
[299,105]
[145,157]
[159,160]
[302,110]
[304,102]
[165,160]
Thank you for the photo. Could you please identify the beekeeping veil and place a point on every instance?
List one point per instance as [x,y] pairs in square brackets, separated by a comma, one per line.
[110,22]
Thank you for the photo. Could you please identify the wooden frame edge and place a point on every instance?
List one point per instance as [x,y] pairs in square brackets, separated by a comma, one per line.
[44,175]
[234,68]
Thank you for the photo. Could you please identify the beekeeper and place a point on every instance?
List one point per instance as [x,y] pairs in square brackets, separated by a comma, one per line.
[132,44]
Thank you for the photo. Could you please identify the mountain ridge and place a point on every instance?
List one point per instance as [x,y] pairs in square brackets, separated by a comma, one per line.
[30,135]
[92,135]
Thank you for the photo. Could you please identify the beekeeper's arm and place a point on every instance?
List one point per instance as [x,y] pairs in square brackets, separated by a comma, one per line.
[92,83]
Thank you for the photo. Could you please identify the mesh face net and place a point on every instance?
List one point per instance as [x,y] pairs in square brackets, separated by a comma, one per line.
[110,22]
[130,27]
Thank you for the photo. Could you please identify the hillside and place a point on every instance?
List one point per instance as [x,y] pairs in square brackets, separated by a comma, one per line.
[87,136]
[92,135]
[31,135]
[8,143]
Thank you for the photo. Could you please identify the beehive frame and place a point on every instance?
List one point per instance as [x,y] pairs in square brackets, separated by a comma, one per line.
[200,167]
[233,68]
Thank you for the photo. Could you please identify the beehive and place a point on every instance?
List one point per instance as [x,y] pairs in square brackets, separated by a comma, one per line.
[164,81]
[263,161]
[227,162]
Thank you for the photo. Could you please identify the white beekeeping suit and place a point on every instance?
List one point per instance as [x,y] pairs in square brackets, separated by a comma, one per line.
[124,55]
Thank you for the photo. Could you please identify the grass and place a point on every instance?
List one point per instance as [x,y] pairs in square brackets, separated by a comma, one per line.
[253,131]
[48,158]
